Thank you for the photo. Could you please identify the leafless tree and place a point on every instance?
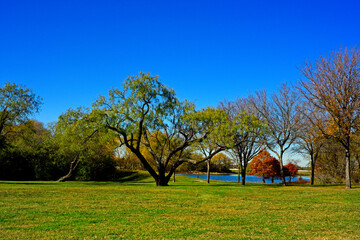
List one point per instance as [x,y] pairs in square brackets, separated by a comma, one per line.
[283,117]
[310,139]
[332,85]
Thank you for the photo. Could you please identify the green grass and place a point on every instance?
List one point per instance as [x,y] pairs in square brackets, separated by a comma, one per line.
[187,209]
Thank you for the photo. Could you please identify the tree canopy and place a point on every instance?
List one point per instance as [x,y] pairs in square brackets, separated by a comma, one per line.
[331,85]
[17,103]
[145,113]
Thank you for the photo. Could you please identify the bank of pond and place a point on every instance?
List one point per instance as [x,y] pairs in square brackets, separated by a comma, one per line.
[249,178]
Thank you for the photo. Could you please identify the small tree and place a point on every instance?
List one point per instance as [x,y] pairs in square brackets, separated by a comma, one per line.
[265,166]
[290,170]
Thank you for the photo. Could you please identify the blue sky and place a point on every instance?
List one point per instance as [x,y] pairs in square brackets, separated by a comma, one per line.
[69,52]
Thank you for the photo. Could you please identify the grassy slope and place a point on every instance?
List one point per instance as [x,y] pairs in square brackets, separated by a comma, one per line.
[187,209]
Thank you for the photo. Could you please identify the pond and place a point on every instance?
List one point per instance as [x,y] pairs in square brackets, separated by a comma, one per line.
[249,178]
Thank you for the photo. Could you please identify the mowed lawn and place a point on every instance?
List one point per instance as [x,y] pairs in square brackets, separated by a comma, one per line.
[187,209]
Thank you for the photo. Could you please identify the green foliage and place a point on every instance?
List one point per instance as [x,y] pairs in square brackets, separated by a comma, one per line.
[156,126]
[330,166]
[141,95]
[29,154]
[37,153]
[17,103]
[220,163]
[80,140]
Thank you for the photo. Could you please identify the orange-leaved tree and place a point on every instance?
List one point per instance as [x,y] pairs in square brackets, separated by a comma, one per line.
[290,170]
[265,166]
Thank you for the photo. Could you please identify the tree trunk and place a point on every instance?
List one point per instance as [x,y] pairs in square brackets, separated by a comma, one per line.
[243,175]
[347,168]
[208,171]
[263,177]
[312,169]
[282,169]
[174,177]
[162,181]
[73,166]
[161,178]
[239,172]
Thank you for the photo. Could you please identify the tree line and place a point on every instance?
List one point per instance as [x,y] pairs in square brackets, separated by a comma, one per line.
[144,124]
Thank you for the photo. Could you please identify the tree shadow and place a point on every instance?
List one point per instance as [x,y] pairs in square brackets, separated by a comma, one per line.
[131,176]
[28,183]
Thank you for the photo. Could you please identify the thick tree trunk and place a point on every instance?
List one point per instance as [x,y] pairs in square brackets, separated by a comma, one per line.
[312,162]
[161,178]
[174,177]
[162,181]
[263,179]
[208,171]
[347,168]
[73,166]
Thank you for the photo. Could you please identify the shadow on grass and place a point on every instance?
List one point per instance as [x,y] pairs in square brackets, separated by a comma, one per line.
[125,178]
[28,183]
[132,176]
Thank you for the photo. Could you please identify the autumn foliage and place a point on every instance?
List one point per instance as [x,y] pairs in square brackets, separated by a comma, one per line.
[290,170]
[265,166]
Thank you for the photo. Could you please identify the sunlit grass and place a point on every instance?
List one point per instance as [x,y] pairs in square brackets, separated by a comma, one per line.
[186,209]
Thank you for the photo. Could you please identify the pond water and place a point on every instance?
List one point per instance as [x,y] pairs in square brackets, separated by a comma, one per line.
[249,178]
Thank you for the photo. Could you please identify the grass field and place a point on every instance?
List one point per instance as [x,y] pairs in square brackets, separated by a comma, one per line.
[187,209]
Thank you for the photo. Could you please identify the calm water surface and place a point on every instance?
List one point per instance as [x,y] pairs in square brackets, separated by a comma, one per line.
[249,178]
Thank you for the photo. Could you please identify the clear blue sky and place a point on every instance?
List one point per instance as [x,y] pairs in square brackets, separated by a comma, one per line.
[71,51]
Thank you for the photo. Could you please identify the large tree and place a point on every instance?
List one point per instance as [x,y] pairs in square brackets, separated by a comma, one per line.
[332,85]
[283,118]
[17,103]
[145,113]
[246,140]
